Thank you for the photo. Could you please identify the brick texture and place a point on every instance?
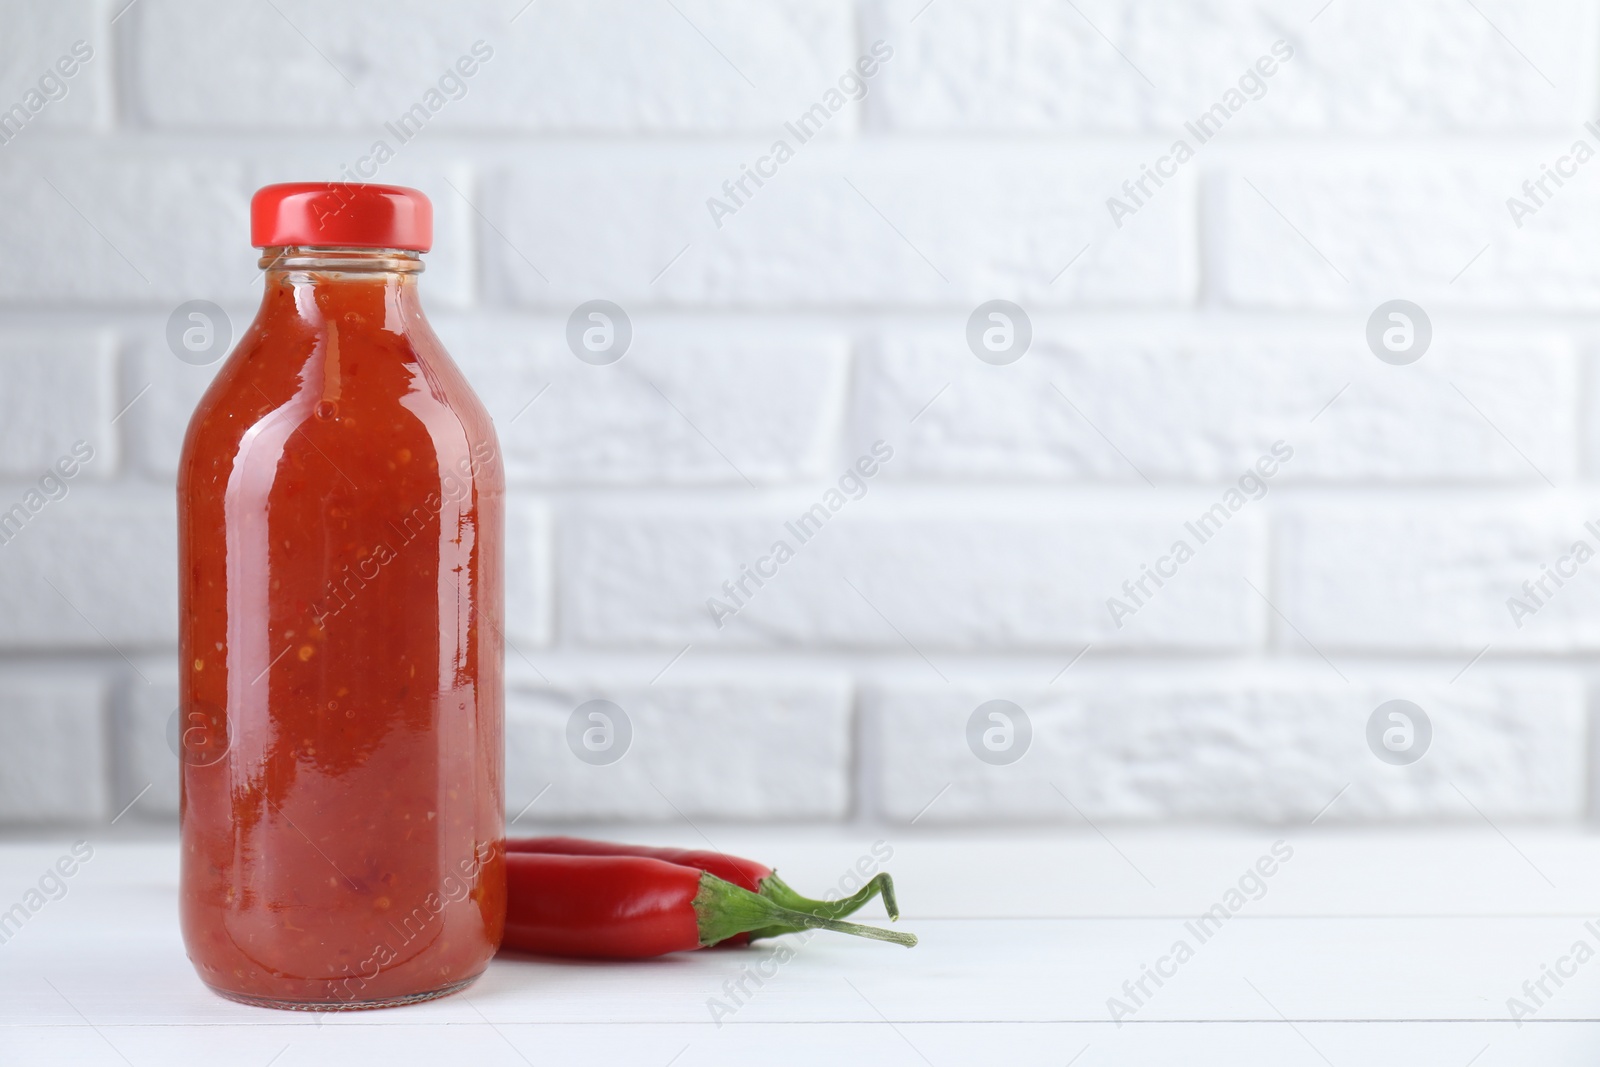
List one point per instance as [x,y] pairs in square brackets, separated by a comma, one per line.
[59,87]
[56,392]
[1280,749]
[710,66]
[1442,578]
[126,229]
[54,765]
[720,749]
[1353,234]
[1360,67]
[1081,407]
[905,582]
[1199,530]
[855,225]
[92,571]
[691,409]
[147,740]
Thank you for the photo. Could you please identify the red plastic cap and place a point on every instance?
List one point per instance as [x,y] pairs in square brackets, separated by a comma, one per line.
[341,215]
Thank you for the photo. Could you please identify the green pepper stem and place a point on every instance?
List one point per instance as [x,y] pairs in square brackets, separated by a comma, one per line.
[724,910]
[876,933]
[779,892]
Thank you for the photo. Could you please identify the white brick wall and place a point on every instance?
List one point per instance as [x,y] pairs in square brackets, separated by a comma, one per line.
[975,222]
[56,389]
[713,748]
[1386,224]
[1279,746]
[974,575]
[828,312]
[1363,67]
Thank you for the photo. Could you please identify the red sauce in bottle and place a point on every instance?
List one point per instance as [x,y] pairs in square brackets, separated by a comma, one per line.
[341,503]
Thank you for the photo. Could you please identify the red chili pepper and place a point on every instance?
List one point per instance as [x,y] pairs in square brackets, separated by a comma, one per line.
[634,907]
[747,874]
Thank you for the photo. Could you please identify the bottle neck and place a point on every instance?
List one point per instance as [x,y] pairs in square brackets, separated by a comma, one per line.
[321,260]
[320,285]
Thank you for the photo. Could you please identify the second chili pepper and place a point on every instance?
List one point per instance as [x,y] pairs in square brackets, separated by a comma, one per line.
[747,874]
[634,907]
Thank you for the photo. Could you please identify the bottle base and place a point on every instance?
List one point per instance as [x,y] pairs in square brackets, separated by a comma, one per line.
[342,1005]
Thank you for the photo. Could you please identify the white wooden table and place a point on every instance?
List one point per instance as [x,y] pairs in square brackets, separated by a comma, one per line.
[1364,949]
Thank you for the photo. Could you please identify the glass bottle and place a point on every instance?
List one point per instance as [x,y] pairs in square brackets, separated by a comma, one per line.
[340,516]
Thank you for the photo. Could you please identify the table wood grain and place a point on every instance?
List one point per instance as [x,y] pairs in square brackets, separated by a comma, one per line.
[1359,949]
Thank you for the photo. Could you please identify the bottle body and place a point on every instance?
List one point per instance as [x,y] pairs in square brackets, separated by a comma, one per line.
[341,512]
